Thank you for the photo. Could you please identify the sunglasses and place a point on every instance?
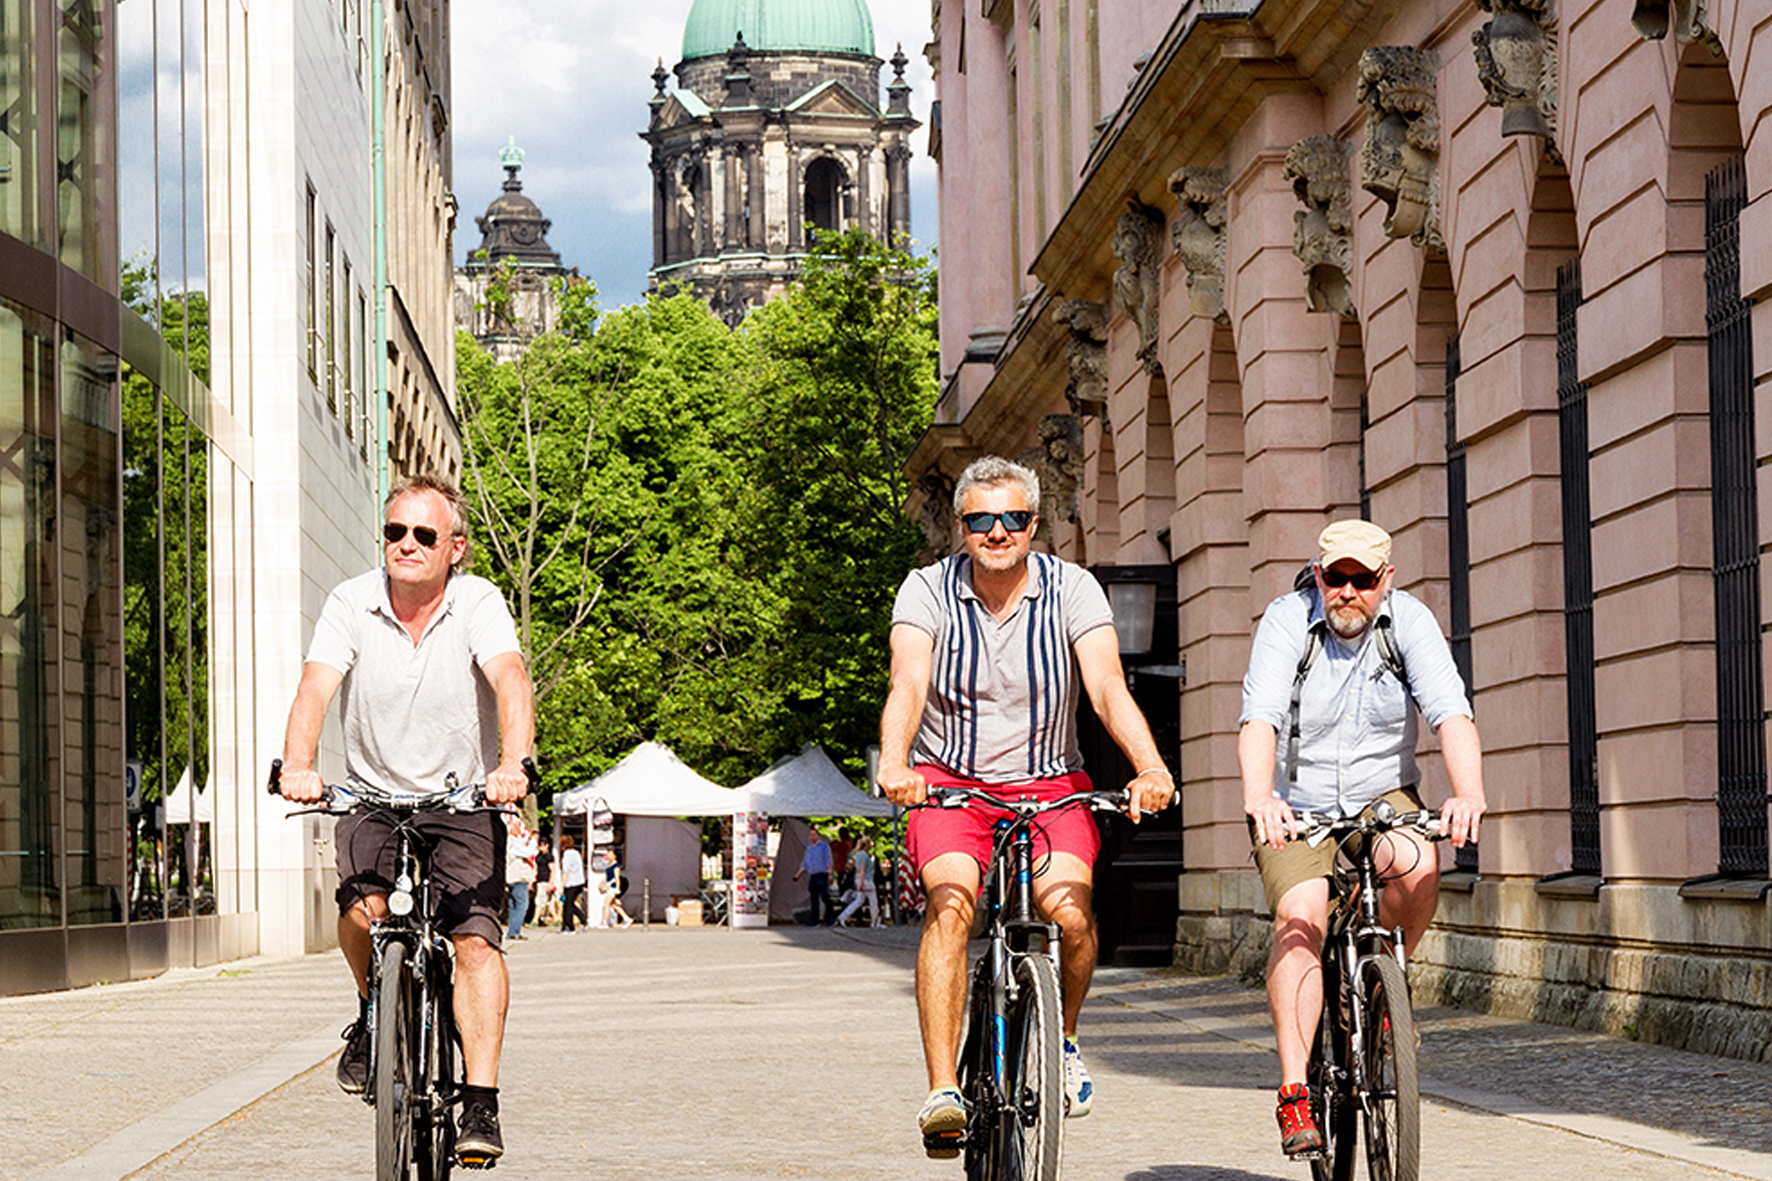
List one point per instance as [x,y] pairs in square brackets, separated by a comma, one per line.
[1015,520]
[1364,580]
[423,534]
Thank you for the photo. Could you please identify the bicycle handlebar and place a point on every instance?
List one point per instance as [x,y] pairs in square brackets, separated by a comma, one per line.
[958,797]
[339,798]
[1314,827]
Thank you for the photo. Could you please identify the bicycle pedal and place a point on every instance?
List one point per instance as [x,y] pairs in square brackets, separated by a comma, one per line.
[477,1162]
[944,1145]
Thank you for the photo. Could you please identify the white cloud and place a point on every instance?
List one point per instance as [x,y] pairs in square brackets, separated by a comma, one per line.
[570,80]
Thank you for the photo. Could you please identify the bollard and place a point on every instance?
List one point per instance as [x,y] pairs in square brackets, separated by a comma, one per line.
[646,904]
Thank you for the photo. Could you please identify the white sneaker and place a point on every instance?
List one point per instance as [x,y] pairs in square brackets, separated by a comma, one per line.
[943,1123]
[1079,1092]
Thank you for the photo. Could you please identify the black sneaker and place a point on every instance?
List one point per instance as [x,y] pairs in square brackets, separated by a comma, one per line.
[353,1064]
[477,1142]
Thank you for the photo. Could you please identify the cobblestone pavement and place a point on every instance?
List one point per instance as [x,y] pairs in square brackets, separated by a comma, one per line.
[710,1054]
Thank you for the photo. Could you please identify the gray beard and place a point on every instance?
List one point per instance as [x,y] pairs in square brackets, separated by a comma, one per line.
[1340,617]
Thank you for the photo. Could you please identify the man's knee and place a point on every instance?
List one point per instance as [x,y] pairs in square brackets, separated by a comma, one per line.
[474,953]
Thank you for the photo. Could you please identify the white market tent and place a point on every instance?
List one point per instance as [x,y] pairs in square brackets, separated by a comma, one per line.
[650,786]
[651,781]
[809,784]
[178,804]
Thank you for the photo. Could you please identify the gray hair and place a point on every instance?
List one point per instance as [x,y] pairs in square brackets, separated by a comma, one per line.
[994,470]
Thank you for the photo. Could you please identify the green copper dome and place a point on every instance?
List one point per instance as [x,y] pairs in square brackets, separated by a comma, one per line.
[817,26]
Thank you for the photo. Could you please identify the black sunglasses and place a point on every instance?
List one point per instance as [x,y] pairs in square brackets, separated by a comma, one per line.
[1015,520]
[423,534]
[1364,580]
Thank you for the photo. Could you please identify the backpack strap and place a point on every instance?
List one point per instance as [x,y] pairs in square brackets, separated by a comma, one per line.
[1313,645]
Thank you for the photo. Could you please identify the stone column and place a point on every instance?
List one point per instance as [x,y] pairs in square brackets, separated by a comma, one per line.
[660,212]
[898,185]
[755,195]
[734,219]
[864,189]
[796,197]
[704,213]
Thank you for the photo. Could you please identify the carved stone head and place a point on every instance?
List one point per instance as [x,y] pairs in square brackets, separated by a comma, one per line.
[1197,235]
[1400,164]
[1322,238]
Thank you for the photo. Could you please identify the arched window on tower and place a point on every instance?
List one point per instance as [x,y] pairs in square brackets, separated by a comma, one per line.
[824,194]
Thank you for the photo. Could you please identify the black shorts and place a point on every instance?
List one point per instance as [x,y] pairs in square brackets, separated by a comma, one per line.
[467,866]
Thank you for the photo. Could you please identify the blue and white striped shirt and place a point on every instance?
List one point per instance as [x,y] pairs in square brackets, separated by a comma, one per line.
[1002,703]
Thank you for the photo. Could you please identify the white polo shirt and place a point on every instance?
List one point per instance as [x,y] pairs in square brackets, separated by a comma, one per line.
[413,713]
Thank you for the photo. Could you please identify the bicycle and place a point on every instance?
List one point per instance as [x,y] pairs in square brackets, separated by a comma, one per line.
[415,1063]
[1011,1061]
[1363,1065]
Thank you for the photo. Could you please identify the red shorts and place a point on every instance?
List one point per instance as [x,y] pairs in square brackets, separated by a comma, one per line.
[935,831]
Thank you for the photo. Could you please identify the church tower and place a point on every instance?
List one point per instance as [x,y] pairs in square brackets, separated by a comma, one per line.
[773,129]
[513,232]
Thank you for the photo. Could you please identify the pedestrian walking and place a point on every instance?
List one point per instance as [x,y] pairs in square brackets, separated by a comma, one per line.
[572,885]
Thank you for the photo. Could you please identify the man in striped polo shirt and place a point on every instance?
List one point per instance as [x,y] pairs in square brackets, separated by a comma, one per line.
[990,649]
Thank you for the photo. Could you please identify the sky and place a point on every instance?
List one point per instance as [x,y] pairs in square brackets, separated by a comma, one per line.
[570,80]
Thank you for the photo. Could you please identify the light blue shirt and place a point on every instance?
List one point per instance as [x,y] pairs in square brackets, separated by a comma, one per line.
[816,858]
[1356,731]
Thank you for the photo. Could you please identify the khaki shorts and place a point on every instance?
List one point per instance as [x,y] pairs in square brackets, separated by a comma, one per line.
[1297,862]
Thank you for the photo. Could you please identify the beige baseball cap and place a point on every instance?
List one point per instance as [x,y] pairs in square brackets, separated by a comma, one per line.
[1362,541]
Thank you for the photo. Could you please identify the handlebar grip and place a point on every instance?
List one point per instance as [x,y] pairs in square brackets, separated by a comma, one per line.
[531,772]
[275,785]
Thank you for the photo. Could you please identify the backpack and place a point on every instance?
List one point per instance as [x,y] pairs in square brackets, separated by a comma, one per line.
[1389,655]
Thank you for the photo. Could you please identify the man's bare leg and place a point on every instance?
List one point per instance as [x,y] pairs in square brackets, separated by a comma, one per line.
[1410,867]
[482,997]
[354,940]
[1295,974]
[951,883]
[1064,893]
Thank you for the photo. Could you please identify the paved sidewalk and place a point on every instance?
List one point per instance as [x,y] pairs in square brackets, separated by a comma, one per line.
[712,1054]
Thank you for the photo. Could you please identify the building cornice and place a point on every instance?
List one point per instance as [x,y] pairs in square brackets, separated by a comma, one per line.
[1208,75]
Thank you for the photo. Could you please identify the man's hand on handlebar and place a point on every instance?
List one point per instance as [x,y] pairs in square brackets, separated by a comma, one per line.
[301,785]
[1459,818]
[1275,823]
[507,783]
[904,786]
[1149,791]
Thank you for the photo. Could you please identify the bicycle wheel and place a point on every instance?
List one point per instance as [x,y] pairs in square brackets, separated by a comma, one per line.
[435,1124]
[1331,1103]
[393,1066]
[1033,1127]
[1393,1095]
[976,1070]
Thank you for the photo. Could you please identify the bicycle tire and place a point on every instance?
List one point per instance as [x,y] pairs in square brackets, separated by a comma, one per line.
[393,1066]
[1033,1127]
[975,1071]
[1331,1104]
[436,1120]
[1393,1090]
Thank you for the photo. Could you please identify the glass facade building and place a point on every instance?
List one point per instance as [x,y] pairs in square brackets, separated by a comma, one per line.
[114,493]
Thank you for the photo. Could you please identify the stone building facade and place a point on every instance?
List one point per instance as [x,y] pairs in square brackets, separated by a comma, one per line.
[773,129]
[513,234]
[422,433]
[1489,273]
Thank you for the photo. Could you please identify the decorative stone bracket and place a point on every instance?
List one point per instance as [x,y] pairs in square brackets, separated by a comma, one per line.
[1689,24]
[1322,238]
[1138,244]
[935,512]
[1198,236]
[1517,64]
[1058,461]
[1400,164]
[1086,353]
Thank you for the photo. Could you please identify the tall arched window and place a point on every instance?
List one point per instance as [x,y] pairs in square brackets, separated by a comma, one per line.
[824,188]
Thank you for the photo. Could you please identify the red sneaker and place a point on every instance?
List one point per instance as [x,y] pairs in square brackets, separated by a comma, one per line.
[1298,1128]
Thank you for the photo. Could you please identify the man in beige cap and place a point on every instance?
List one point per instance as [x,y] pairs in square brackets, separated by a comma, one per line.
[1350,742]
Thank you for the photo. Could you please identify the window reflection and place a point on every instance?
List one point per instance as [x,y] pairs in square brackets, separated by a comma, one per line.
[90,553]
[79,127]
[143,662]
[29,892]
[18,130]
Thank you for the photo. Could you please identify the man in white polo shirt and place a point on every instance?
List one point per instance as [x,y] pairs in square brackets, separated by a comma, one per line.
[430,679]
